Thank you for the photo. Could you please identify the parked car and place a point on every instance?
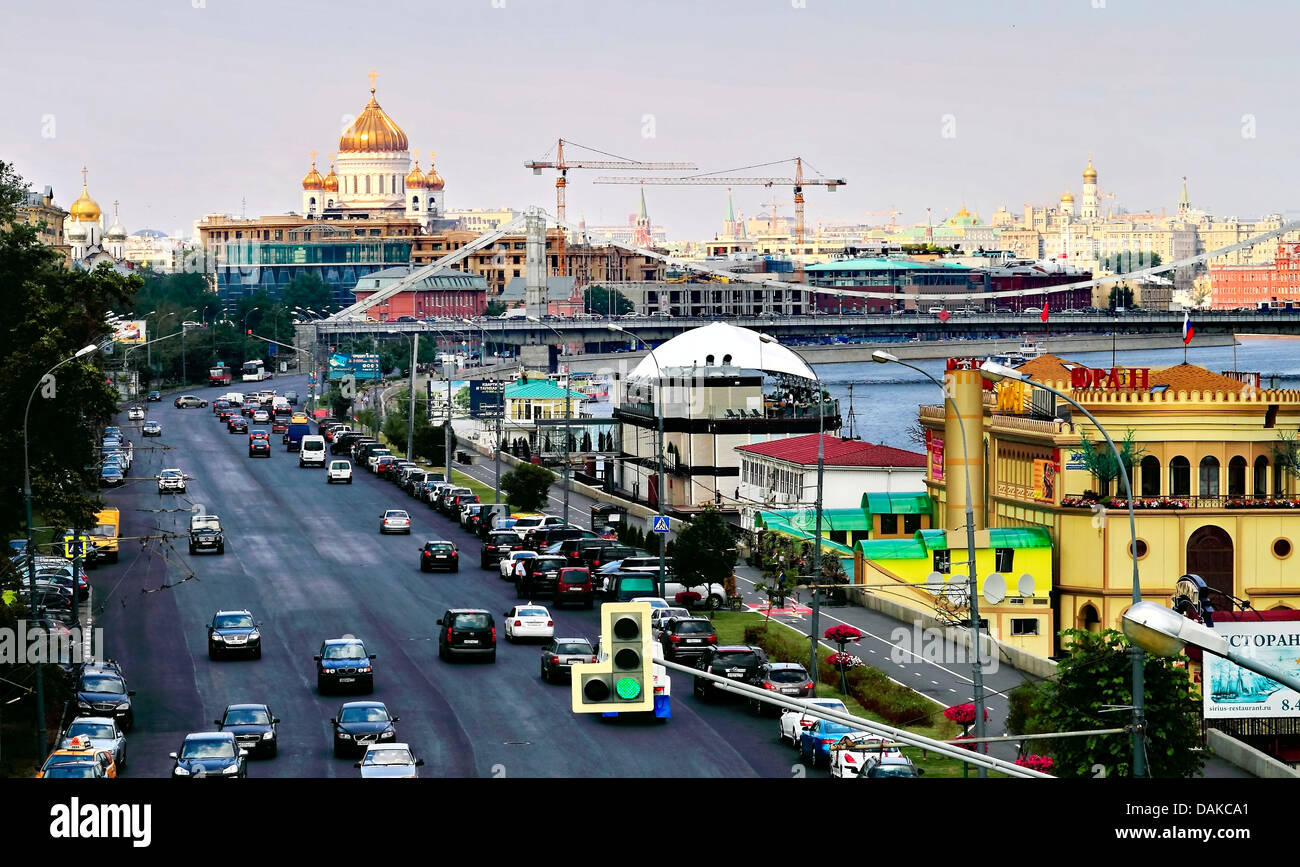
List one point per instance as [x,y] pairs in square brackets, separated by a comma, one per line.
[559,655]
[467,632]
[439,555]
[210,754]
[736,662]
[96,733]
[78,760]
[687,638]
[254,728]
[101,691]
[359,724]
[343,662]
[783,678]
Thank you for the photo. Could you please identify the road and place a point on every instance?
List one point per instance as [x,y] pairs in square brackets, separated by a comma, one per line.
[307,559]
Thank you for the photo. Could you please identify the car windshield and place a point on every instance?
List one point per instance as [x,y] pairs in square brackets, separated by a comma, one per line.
[575,576]
[208,749]
[363,714]
[344,651]
[205,524]
[550,562]
[440,546]
[338,465]
[104,530]
[574,647]
[171,474]
[694,627]
[394,514]
[388,757]
[532,612]
[90,730]
[892,771]
[787,675]
[667,613]
[80,770]
[497,537]
[102,683]
[834,728]
[524,555]
[234,621]
[473,621]
[738,657]
[250,716]
[528,522]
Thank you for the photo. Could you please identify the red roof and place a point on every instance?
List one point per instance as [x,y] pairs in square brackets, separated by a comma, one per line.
[836,452]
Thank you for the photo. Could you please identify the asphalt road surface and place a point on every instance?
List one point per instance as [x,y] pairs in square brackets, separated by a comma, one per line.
[308,560]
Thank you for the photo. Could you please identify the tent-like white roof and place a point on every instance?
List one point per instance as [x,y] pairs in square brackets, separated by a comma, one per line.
[722,344]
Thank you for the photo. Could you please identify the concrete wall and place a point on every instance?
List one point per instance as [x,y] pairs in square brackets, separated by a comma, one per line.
[1248,758]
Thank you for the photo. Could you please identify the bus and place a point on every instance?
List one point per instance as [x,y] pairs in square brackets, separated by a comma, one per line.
[219,375]
[255,371]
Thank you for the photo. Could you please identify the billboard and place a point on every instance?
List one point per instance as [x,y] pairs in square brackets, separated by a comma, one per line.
[130,332]
[359,366]
[1228,690]
[486,398]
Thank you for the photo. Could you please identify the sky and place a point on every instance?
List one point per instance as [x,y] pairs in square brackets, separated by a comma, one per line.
[181,108]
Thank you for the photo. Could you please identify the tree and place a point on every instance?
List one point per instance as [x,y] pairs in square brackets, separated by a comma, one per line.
[1121,296]
[1096,675]
[705,551]
[606,302]
[494,308]
[307,291]
[527,486]
[1099,460]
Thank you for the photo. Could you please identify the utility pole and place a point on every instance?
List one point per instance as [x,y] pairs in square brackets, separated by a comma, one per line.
[410,410]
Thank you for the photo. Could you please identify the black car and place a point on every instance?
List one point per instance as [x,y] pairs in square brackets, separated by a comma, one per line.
[210,754]
[738,662]
[687,637]
[559,655]
[232,632]
[341,445]
[439,555]
[343,662]
[467,632]
[595,556]
[540,575]
[292,397]
[254,728]
[497,547]
[543,537]
[237,424]
[101,691]
[206,535]
[259,443]
[154,396]
[360,724]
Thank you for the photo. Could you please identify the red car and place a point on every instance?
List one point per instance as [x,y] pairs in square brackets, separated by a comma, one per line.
[575,585]
[383,463]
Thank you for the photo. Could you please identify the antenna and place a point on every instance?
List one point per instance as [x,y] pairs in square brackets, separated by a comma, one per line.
[995,588]
[852,419]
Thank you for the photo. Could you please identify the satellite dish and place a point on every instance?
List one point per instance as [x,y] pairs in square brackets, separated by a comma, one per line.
[934,582]
[995,588]
[1026,585]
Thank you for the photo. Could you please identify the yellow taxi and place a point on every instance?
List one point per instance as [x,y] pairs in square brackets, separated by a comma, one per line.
[298,418]
[79,753]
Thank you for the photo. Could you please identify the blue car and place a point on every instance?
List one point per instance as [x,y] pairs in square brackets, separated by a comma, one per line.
[344,663]
[210,754]
[815,741]
[111,476]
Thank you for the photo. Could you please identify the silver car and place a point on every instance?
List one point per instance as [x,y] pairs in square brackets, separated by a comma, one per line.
[103,734]
[389,761]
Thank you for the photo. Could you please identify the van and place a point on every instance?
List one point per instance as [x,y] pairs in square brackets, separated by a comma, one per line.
[108,526]
[296,433]
[311,451]
[626,586]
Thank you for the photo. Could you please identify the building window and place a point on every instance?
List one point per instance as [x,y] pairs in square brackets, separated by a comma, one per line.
[1024,626]
[1150,476]
[1261,476]
[943,561]
[889,525]
[1281,548]
[1237,477]
[1141,547]
[1180,477]
[1209,477]
[1002,559]
[911,523]
[367,183]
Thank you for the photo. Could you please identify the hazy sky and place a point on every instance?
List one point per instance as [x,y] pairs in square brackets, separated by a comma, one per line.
[180,111]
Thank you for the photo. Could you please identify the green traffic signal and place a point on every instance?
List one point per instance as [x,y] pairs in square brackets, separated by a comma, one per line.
[628,688]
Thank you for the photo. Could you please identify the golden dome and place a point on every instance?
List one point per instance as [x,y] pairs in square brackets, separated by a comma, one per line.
[1067,196]
[331,182]
[373,131]
[85,209]
[1090,174]
[312,180]
[415,180]
[963,212]
[432,179]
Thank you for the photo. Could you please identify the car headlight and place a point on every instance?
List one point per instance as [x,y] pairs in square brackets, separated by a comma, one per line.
[365,670]
[344,736]
[217,636]
[84,704]
[233,769]
[266,736]
[389,734]
[180,772]
[254,634]
[126,705]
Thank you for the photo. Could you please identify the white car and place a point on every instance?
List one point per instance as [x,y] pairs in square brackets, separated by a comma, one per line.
[535,522]
[660,616]
[339,471]
[103,734]
[136,413]
[655,602]
[529,621]
[311,451]
[389,761]
[509,564]
[793,722]
[171,481]
[396,521]
[853,753]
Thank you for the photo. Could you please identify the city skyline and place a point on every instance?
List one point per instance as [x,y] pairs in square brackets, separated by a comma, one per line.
[983,122]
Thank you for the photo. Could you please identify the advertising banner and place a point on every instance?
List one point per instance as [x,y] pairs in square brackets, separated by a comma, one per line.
[130,332]
[1045,481]
[1231,691]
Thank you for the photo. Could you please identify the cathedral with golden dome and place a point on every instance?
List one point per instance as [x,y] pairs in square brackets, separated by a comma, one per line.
[83,230]
[374,173]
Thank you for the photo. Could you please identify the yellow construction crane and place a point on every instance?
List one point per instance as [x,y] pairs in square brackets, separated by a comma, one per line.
[892,212]
[561,165]
[798,182]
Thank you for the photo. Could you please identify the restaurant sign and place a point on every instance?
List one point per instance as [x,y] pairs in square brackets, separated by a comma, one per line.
[1112,377]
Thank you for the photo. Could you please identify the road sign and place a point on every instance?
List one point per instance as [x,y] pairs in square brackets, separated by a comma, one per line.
[659,523]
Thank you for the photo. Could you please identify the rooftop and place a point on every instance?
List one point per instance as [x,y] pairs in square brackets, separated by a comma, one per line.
[837,452]
[885,264]
[541,389]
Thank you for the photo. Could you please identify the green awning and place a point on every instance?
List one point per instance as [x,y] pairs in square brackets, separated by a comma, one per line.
[896,504]
[933,540]
[892,549]
[1020,537]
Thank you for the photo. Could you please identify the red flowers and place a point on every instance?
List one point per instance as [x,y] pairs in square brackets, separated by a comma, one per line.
[1036,763]
[963,714]
[843,634]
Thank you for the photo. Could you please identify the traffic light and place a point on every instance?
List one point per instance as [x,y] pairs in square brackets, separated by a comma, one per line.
[624,679]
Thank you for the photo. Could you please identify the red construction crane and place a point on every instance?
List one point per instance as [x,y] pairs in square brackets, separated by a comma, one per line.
[562,165]
[798,182]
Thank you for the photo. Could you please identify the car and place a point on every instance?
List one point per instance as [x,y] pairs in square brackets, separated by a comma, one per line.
[261,416]
[291,397]
[360,724]
[467,632]
[815,741]
[101,691]
[189,401]
[469,515]
[782,678]
[534,522]
[171,481]
[510,567]
[390,761]
[97,733]
[279,423]
[234,631]
[153,396]
[206,535]
[411,480]
[210,754]
[311,451]
[890,766]
[655,602]
[344,662]
[575,585]
[497,545]
[237,424]
[439,554]
[528,621]
[151,429]
[539,576]
[559,655]
[339,471]
[793,722]
[259,443]
[372,456]
[219,404]
[224,416]
[687,637]
[733,661]
[135,413]
[395,520]
[852,754]
[78,759]
[254,728]
[110,476]
[660,616]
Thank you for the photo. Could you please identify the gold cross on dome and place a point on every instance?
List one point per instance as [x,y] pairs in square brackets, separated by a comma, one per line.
[431,155]
[83,176]
[372,75]
[313,159]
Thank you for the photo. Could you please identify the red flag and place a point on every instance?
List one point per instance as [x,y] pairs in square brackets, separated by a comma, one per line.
[1044,315]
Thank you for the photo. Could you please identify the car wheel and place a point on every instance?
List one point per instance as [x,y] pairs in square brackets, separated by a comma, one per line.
[212,653]
[275,748]
[545,678]
[714,603]
[442,652]
[320,686]
[338,750]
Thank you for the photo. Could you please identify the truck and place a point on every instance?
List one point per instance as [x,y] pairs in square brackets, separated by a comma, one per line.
[293,436]
[104,537]
[219,375]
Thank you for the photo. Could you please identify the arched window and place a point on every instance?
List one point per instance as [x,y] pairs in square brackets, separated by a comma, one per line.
[415,203]
[708,360]
[1150,476]
[1237,477]
[1261,476]
[367,183]
[1180,477]
[1208,483]
[1089,620]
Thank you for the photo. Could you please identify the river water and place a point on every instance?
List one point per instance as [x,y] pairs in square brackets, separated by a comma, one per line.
[886,396]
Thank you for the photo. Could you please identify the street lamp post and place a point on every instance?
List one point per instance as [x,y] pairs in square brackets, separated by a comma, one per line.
[977,673]
[501,410]
[31,550]
[659,499]
[995,372]
[568,420]
[244,337]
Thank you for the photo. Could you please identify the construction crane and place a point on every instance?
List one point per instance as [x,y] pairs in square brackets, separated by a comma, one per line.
[798,182]
[892,212]
[561,165]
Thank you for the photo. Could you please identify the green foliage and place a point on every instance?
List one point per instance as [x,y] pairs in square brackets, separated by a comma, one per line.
[1099,460]
[1097,673]
[494,308]
[1286,453]
[606,302]
[1121,296]
[1021,719]
[705,550]
[526,486]
[309,292]
[429,439]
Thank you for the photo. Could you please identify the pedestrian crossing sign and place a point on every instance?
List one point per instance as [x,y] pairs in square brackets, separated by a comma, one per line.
[660,524]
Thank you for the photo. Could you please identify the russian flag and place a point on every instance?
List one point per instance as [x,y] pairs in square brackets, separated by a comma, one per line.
[1044,314]
[1188,331]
